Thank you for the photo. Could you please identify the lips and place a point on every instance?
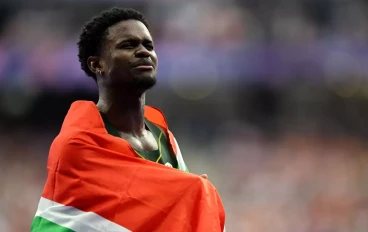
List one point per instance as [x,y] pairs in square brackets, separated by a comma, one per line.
[143,64]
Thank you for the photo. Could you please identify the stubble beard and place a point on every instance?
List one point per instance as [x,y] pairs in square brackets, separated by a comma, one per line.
[145,83]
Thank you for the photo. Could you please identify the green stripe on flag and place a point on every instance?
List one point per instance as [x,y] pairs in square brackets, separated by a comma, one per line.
[41,224]
[58,217]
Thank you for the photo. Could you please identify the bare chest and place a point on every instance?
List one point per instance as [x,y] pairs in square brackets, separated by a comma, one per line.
[146,142]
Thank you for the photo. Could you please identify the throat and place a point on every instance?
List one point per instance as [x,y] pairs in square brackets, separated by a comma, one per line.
[126,116]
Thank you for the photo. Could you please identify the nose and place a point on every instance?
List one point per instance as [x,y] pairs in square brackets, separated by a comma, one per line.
[142,52]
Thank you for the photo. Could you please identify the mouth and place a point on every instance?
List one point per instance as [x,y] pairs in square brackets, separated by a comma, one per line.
[143,65]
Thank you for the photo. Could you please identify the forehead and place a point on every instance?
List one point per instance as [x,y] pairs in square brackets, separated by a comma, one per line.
[128,28]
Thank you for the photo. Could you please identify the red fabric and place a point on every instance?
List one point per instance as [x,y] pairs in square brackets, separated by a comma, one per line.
[96,172]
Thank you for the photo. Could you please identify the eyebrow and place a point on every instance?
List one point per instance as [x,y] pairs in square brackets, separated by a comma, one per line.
[133,38]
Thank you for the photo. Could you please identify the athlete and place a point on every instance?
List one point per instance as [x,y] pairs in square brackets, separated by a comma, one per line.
[115,165]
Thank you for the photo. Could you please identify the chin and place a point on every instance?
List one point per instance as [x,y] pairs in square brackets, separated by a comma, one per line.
[145,82]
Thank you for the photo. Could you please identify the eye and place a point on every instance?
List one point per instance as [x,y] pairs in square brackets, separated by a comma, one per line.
[127,46]
[149,47]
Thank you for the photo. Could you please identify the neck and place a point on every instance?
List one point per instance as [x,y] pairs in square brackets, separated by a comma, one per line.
[124,111]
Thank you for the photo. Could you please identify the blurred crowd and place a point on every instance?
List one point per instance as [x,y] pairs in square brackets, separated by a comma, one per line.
[225,41]
[266,97]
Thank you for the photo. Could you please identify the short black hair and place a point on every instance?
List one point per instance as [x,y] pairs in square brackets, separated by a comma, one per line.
[94,33]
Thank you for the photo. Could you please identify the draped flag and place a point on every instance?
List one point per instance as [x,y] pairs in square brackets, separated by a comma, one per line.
[96,183]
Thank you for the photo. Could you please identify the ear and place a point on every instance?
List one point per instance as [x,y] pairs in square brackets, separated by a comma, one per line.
[94,64]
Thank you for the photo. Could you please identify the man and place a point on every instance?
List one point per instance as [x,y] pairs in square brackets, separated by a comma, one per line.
[115,166]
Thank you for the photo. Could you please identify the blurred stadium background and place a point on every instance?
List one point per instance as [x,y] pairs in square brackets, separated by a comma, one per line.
[269,98]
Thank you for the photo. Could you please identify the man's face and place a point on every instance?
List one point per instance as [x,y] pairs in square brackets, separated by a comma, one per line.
[129,56]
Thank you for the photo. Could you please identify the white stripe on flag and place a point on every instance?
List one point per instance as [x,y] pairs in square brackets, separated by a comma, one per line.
[179,157]
[75,219]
